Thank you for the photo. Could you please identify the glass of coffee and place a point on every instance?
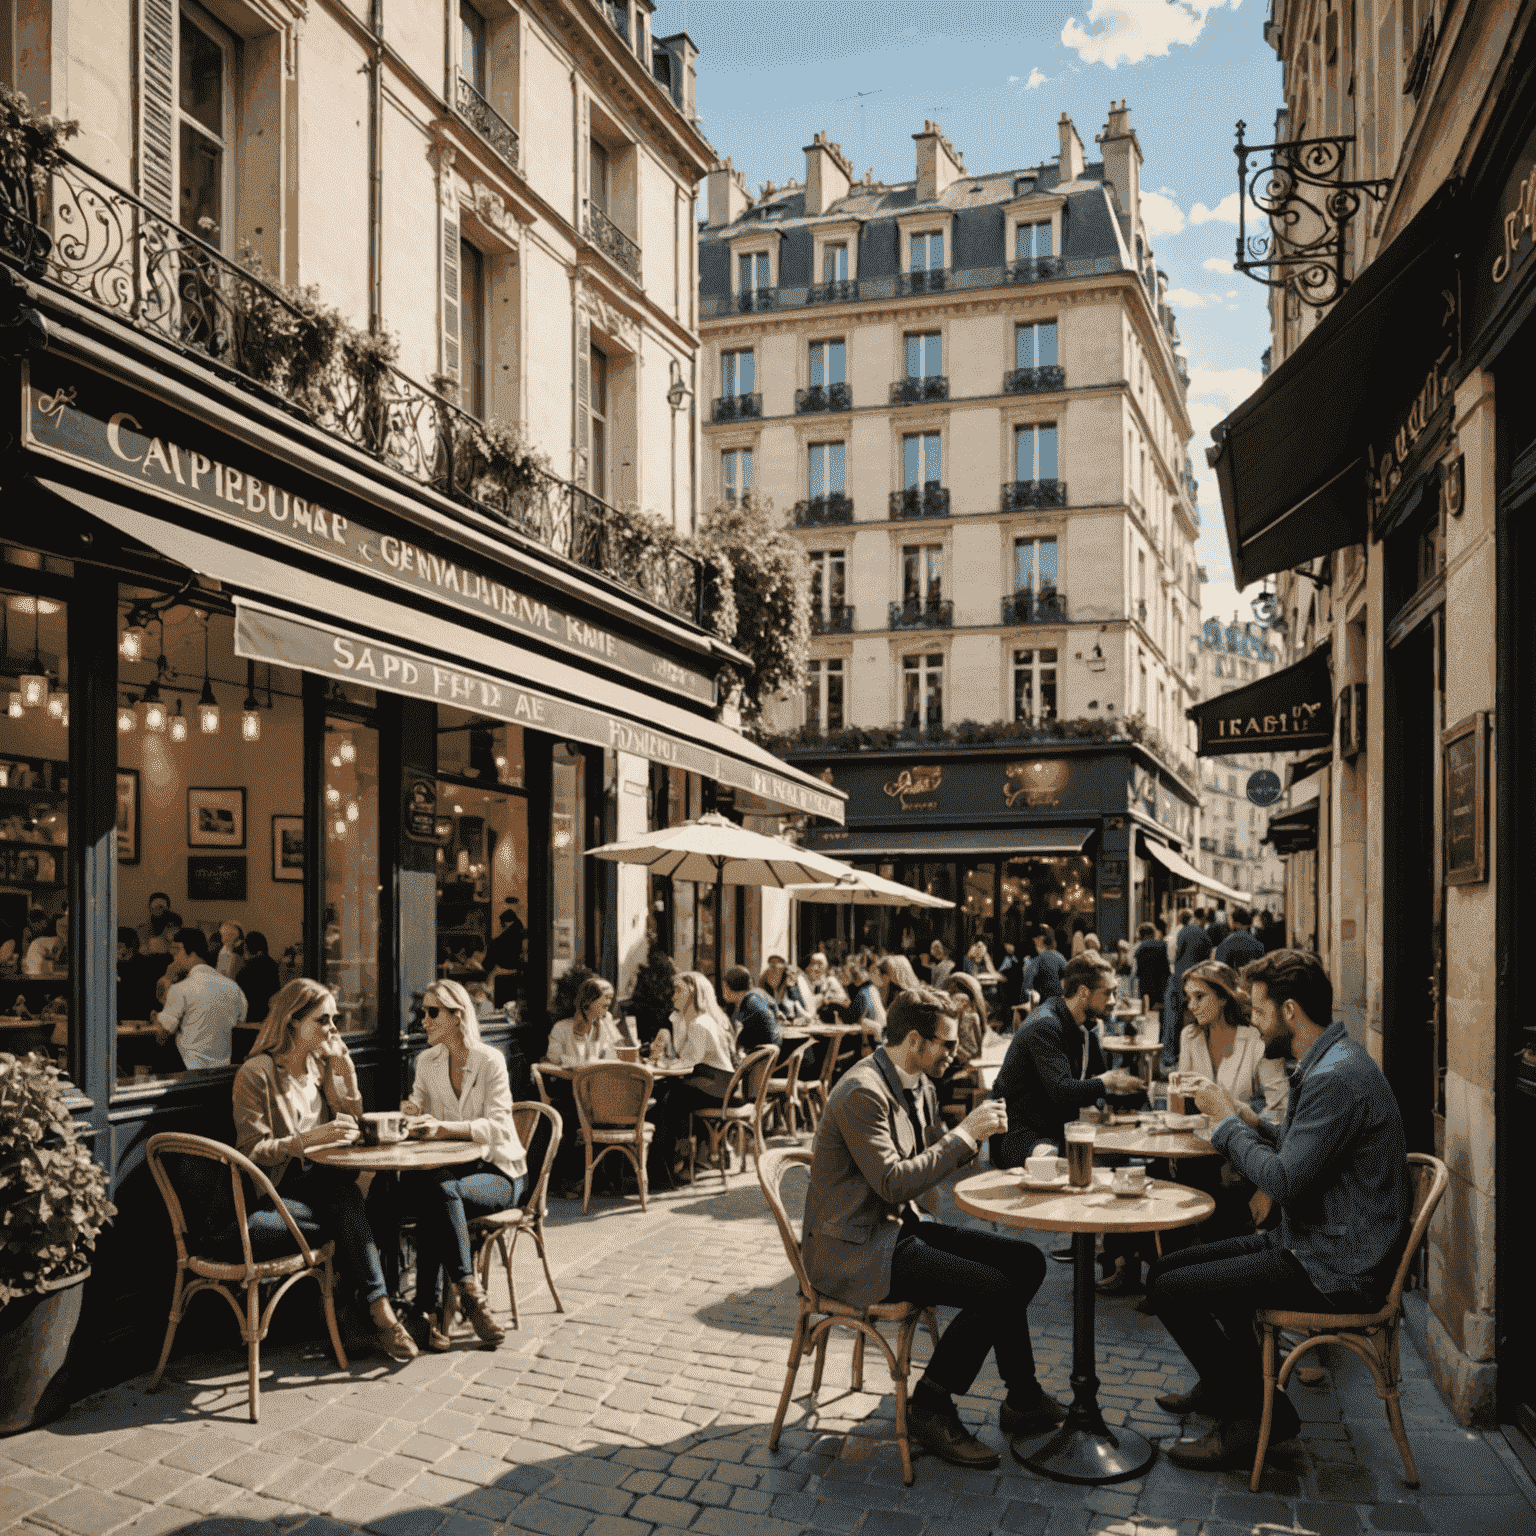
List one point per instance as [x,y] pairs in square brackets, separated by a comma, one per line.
[1079,1139]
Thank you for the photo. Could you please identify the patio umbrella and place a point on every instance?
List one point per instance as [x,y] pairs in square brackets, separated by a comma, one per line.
[712,850]
[862,888]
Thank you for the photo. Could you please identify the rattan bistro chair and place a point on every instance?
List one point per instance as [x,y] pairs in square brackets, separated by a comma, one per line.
[220,1269]
[783,1093]
[814,1094]
[611,1100]
[733,1121]
[1374,1336]
[819,1315]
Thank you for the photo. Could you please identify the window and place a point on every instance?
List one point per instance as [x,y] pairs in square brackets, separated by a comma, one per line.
[1034,686]
[1141,584]
[828,584]
[829,363]
[1032,242]
[597,193]
[350,888]
[922,679]
[1034,451]
[826,469]
[1232,810]
[738,373]
[599,410]
[472,326]
[824,695]
[206,125]
[1231,783]
[834,263]
[1034,565]
[925,355]
[736,474]
[472,45]
[752,272]
[921,459]
[922,573]
[1141,696]
[1034,346]
[928,252]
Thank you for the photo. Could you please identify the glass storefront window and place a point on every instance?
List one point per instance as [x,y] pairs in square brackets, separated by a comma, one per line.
[350,942]
[568,819]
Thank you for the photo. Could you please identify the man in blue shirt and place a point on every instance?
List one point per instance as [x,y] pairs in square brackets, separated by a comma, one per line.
[1239,946]
[1338,1171]
[753,1012]
[1043,974]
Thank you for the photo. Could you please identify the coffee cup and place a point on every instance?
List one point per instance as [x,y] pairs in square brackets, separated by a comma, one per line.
[1129,1180]
[382,1127]
[627,1052]
[1040,1168]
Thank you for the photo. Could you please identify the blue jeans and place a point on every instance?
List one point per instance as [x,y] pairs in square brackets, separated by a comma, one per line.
[325,1203]
[444,1201]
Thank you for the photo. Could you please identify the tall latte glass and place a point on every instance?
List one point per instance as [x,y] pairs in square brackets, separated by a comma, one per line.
[1079,1139]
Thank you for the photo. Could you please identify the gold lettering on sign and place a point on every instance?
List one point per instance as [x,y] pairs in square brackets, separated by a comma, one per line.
[911,783]
[1519,222]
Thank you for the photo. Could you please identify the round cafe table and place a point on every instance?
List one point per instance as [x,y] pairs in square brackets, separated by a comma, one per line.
[1084,1449]
[1147,1050]
[1143,1141]
[396,1156]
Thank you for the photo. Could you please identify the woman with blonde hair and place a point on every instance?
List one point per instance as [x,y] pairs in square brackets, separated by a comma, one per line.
[295,1090]
[590,1034]
[461,1093]
[700,1037]
[893,974]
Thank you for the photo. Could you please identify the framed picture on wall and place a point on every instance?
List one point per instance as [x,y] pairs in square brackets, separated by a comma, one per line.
[216,818]
[287,847]
[127,815]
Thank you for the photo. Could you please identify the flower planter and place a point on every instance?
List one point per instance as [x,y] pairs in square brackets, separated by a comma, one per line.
[35,1331]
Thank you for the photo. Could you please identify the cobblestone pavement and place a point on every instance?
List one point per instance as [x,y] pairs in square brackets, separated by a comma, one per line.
[645,1409]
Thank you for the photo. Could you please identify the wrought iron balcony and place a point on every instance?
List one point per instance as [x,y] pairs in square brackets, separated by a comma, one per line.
[929,500]
[1020,495]
[834,619]
[486,121]
[817,511]
[1208,845]
[911,391]
[1031,381]
[823,397]
[71,229]
[933,280]
[1047,606]
[612,241]
[841,291]
[922,613]
[1038,269]
[751,301]
[737,408]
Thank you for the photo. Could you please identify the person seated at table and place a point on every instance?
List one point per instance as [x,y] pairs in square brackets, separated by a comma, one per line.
[231,952]
[893,975]
[864,1006]
[827,994]
[295,1090]
[136,976]
[1338,1170]
[755,1022]
[591,1033]
[1125,974]
[201,1009]
[880,1153]
[978,963]
[48,953]
[790,992]
[1011,972]
[1219,1042]
[258,977]
[940,963]
[1055,1067]
[699,1038]
[461,1092]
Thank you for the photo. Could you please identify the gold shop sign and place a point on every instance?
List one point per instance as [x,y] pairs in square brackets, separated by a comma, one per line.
[917,789]
[1041,781]
[1389,462]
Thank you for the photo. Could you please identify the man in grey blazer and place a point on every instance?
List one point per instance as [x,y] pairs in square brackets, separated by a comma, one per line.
[880,1152]
[1338,1171]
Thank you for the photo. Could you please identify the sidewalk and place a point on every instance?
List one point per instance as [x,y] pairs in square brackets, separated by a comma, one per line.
[645,1409]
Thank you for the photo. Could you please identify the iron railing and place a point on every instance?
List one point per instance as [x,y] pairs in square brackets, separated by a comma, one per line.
[751,301]
[612,241]
[834,619]
[1047,606]
[910,391]
[1018,495]
[81,233]
[930,280]
[1030,381]
[840,291]
[1038,269]
[737,408]
[487,121]
[927,500]
[922,613]
[823,397]
[816,511]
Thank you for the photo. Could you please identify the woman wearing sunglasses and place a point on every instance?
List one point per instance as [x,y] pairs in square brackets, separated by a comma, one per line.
[461,1093]
[298,1089]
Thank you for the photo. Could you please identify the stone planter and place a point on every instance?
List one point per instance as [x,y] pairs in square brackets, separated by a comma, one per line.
[35,1332]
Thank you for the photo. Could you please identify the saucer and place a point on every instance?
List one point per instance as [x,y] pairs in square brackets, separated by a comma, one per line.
[1058,1182]
[1132,1194]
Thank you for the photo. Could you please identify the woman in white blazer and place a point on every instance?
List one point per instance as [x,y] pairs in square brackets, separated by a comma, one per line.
[461,1093]
[1219,1043]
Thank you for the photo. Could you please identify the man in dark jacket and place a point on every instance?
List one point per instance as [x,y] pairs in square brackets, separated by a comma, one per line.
[1043,973]
[1193,946]
[1152,968]
[1218,928]
[1240,946]
[753,1012]
[1054,1066]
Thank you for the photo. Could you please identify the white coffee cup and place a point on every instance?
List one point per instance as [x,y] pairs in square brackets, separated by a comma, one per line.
[1040,1168]
[1130,1179]
[382,1127]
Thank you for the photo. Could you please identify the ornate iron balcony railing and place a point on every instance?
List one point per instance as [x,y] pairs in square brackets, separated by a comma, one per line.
[752,301]
[835,619]
[1018,495]
[911,391]
[931,280]
[840,291]
[1047,606]
[922,613]
[612,241]
[737,408]
[1038,269]
[486,121]
[79,232]
[1301,188]
[927,500]
[816,511]
[1030,381]
[823,397]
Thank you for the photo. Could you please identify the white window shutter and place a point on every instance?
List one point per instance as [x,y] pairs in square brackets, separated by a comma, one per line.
[583,385]
[452,347]
[157,116]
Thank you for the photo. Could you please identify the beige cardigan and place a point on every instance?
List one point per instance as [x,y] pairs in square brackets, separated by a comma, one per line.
[264,1130]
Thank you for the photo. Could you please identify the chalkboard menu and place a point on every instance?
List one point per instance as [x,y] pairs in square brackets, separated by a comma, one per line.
[1464,804]
[213,877]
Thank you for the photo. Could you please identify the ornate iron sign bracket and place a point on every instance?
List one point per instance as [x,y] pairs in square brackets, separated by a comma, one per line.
[1301,186]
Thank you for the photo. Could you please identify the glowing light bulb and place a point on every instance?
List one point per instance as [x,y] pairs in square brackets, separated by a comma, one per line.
[34,690]
[58,705]
[126,719]
[178,724]
[352,810]
[345,748]
[332,795]
[208,719]
[131,646]
[339,828]
[155,716]
[14,708]
[250,725]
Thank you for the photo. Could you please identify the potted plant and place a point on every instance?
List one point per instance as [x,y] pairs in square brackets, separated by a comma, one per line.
[53,1204]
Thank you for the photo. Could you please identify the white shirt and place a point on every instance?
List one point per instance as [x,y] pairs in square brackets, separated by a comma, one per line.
[913,1083]
[484,1099]
[568,1049]
[1245,1074]
[701,1042]
[201,1010]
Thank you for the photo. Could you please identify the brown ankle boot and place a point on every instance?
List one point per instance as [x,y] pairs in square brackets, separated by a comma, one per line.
[392,1337]
[473,1310]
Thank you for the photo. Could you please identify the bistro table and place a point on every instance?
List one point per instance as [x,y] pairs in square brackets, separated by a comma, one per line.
[655,1068]
[1084,1449]
[820,1031]
[1149,1141]
[395,1156]
[1147,1050]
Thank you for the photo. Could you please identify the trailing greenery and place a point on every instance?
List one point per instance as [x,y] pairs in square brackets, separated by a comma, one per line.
[492,460]
[53,1197]
[30,141]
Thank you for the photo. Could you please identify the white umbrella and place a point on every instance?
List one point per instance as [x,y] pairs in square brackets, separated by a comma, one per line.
[712,850]
[862,888]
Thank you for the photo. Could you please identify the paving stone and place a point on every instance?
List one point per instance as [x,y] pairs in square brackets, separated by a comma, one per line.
[405,1520]
[1396,1517]
[202,1496]
[546,1518]
[427,1448]
[346,1424]
[156,1522]
[662,1511]
[1025,1519]
[1327,1519]
[1252,1509]
[254,1470]
[89,1511]
[202,1453]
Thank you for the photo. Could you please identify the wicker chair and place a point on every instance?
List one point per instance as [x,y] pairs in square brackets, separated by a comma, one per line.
[611,1100]
[222,1273]
[819,1315]
[1374,1336]
[735,1121]
[783,1093]
[813,1095]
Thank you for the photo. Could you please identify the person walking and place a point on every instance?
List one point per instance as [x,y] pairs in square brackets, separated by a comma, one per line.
[1152,968]
[1194,945]
[1241,945]
[1043,974]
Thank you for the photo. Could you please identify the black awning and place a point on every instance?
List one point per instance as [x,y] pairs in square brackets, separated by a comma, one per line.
[1288,711]
[1293,831]
[946,842]
[1305,767]
[1291,460]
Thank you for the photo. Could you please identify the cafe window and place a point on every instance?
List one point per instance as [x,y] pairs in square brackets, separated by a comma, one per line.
[568,805]
[350,868]
[923,692]
[205,122]
[824,695]
[1034,686]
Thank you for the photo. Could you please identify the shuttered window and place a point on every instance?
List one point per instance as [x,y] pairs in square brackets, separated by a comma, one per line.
[453,365]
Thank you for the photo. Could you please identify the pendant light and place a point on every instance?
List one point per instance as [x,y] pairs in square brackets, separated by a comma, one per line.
[34,684]
[207,705]
[127,721]
[177,724]
[154,710]
[14,707]
[250,710]
[131,646]
[58,706]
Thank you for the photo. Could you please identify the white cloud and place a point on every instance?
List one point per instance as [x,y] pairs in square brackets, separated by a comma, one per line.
[1184,298]
[1128,31]
[1035,81]
[1220,600]
[1216,264]
[1227,386]
[1161,215]
[1225,212]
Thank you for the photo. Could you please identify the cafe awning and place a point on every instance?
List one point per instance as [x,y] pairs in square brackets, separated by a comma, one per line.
[1287,711]
[1293,831]
[353,634]
[1177,864]
[1291,460]
[1305,767]
[949,842]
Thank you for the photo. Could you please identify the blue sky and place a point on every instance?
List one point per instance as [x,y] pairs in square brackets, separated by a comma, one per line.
[997,76]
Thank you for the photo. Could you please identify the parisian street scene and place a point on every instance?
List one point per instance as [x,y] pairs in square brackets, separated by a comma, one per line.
[736,796]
